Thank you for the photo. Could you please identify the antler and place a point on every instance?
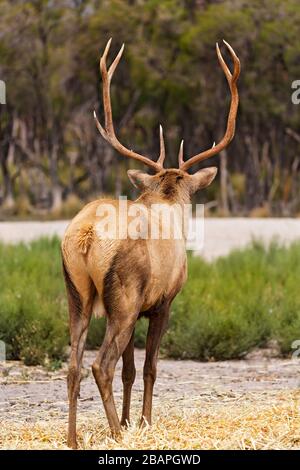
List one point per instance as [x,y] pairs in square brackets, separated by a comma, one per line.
[108,133]
[229,134]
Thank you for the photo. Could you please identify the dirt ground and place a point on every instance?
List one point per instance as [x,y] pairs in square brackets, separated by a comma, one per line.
[245,404]
[33,391]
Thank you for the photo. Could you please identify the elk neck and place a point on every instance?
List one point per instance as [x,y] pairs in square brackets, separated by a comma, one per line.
[153,197]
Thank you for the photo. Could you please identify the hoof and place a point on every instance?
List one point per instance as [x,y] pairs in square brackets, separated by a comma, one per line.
[144,423]
[116,435]
[72,444]
[125,423]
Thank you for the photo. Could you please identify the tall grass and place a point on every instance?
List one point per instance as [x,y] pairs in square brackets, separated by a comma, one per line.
[226,308]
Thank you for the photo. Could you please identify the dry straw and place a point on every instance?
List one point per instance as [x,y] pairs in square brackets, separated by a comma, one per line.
[257,420]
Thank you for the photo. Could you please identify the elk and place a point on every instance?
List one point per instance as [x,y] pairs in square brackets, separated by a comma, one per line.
[126,278]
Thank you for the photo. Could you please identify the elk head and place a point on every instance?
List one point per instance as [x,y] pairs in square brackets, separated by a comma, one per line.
[169,183]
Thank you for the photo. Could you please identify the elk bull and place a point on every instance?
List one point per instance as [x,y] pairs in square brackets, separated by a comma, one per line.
[125,278]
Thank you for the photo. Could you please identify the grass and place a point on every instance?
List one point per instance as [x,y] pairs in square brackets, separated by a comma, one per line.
[257,420]
[226,308]
[33,319]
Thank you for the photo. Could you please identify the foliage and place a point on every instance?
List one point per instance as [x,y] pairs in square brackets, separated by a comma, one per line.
[226,308]
[32,302]
[238,302]
[97,331]
[49,60]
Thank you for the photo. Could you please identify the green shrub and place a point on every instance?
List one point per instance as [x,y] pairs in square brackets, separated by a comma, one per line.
[237,302]
[226,308]
[96,333]
[33,302]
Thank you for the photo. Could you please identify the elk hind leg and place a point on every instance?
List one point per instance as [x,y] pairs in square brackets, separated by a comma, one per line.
[119,330]
[79,319]
[157,326]
[128,377]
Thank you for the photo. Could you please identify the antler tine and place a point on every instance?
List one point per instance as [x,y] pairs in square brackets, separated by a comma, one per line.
[236,61]
[162,154]
[108,133]
[106,79]
[229,134]
[180,154]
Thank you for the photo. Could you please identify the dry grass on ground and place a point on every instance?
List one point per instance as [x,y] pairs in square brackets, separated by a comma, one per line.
[258,420]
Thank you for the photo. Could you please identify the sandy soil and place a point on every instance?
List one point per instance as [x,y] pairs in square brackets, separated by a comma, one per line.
[29,393]
[220,235]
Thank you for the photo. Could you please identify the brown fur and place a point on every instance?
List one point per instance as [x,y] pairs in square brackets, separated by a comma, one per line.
[119,277]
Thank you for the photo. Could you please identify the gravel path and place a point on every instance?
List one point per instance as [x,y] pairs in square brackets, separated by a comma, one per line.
[220,235]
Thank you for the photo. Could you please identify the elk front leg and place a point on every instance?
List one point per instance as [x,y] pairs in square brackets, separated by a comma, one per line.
[128,377]
[117,336]
[157,325]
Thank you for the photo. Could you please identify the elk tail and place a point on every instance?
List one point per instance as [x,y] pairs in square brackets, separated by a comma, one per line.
[74,299]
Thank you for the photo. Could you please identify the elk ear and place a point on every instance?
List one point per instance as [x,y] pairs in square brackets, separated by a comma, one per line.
[139,179]
[202,179]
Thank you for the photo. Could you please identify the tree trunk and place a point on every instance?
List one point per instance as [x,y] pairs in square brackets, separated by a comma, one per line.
[8,201]
[224,183]
[56,188]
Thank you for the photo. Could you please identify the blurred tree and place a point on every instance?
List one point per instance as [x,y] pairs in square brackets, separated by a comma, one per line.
[49,53]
